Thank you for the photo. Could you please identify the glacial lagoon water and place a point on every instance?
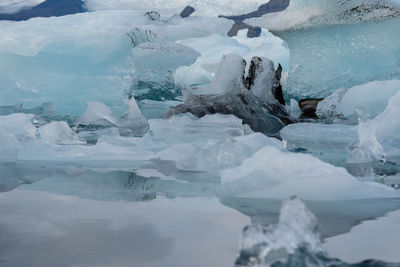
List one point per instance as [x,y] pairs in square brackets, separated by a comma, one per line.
[112,183]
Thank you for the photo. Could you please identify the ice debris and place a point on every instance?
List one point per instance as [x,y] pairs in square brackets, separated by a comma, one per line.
[59,132]
[297,228]
[368,149]
[133,123]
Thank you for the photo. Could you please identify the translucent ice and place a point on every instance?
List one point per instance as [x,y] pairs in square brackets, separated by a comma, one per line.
[212,49]
[324,59]
[271,173]
[330,142]
[18,125]
[224,154]
[75,61]
[297,228]
[133,123]
[229,76]
[98,113]
[58,132]
[368,148]
[366,100]
[388,122]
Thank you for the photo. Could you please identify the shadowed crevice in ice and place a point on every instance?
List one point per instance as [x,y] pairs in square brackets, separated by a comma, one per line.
[49,8]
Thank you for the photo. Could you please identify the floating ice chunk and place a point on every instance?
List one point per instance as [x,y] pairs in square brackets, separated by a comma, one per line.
[368,148]
[213,47]
[297,228]
[271,173]
[388,122]
[308,135]
[98,113]
[103,155]
[15,129]
[13,6]
[133,123]
[197,132]
[229,76]
[91,137]
[366,100]
[177,152]
[154,109]
[227,153]
[75,61]
[58,132]
[294,109]
[9,147]
[155,63]
[18,125]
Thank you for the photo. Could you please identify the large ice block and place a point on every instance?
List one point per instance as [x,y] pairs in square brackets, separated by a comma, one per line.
[272,173]
[364,101]
[324,59]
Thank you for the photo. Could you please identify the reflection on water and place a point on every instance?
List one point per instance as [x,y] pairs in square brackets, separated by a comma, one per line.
[69,215]
[43,229]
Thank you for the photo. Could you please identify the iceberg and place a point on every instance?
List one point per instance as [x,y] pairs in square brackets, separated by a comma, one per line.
[75,61]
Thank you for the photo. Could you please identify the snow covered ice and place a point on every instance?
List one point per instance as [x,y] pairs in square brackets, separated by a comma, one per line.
[141,135]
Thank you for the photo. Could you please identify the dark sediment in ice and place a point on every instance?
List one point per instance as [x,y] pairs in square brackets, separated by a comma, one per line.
[309,107]
[257,101]
[270,7]
[48,8]
[187,11]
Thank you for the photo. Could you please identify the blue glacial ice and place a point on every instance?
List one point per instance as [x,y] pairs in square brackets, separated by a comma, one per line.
[327,35]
